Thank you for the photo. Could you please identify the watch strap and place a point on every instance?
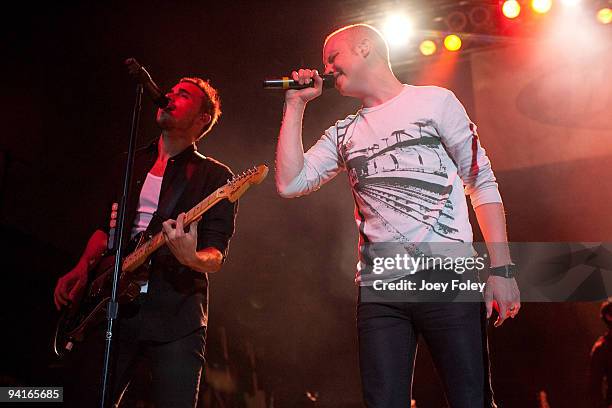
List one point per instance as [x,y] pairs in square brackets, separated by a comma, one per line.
[505,271]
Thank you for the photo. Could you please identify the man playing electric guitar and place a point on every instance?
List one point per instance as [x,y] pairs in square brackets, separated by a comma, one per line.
[166,324]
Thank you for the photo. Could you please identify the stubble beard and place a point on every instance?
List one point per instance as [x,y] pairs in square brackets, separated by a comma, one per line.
[166,121]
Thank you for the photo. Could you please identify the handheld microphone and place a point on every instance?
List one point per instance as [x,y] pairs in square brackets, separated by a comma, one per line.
[140,74]
[329,81]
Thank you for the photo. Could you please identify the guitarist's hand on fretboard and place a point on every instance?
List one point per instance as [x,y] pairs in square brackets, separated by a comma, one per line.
[183,245]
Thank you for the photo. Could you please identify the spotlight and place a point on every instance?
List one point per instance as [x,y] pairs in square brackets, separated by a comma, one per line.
[428,47]
[397,30]
[452,42]
[604,16]
[511,8]
[541,6]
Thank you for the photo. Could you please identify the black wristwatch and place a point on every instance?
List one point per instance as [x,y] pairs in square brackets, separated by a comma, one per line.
[505,271]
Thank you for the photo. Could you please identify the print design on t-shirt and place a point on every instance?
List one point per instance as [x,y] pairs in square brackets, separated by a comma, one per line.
[402,175]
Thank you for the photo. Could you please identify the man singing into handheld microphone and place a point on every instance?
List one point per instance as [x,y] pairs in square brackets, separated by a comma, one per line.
[412,193]
[165,326]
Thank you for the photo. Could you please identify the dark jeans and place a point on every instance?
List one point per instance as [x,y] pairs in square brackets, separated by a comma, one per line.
[456,336]
[175,367]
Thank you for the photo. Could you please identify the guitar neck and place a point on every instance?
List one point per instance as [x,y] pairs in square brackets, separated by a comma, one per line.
[140,255]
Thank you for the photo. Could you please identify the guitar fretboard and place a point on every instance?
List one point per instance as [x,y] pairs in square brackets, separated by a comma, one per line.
[140,255]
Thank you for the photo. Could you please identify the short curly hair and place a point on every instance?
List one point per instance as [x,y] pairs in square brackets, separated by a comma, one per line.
[211,104]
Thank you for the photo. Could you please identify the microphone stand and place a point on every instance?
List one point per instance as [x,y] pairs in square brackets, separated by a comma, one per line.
[113,305]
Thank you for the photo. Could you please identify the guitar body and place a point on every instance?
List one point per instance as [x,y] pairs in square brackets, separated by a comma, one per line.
[91,308]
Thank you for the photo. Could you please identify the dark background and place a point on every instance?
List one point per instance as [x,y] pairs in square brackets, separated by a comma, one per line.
[287,287]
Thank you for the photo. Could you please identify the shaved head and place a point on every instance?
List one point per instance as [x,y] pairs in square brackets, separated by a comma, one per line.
[356,33]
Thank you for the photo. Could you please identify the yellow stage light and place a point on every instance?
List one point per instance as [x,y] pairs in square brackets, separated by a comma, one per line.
[452,42]
[604,16]
[428,47]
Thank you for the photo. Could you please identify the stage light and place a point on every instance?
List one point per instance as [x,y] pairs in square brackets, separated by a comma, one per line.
[428,47]
[452,42]
[604,16]
[397,30]
[511,8]
[541,6]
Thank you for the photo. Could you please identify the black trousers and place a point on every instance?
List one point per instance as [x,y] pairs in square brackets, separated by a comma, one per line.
[175,367]
[456,336]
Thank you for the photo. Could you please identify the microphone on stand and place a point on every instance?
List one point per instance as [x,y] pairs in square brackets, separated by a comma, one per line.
[329,81]
[140,74]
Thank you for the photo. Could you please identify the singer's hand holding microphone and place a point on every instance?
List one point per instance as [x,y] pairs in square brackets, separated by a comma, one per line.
[303,86]
[305,77]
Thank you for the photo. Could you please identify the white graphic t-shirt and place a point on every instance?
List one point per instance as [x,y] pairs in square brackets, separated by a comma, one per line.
[410,162]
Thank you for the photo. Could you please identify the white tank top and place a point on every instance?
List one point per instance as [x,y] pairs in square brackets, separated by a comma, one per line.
[147,205]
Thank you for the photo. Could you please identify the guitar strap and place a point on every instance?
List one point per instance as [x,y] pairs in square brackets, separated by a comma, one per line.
[170,198]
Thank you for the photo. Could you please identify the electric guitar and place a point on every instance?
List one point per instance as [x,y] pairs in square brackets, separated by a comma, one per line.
[91,307]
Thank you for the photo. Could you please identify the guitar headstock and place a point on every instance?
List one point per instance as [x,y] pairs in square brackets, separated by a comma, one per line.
[240,183]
